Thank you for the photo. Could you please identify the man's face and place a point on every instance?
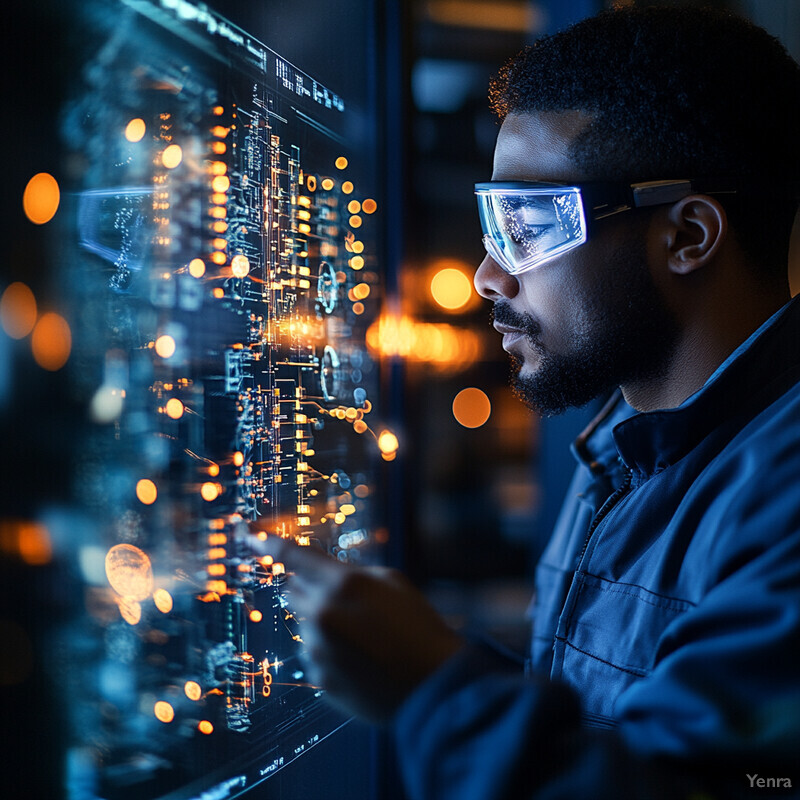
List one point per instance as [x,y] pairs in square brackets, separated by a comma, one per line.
[591,319]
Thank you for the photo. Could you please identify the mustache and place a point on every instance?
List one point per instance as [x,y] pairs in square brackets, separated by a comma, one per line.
[505,315]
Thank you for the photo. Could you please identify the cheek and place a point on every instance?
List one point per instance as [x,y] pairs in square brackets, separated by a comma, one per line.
[555,295]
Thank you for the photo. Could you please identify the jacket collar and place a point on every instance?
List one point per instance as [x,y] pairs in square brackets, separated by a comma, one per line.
[761,369]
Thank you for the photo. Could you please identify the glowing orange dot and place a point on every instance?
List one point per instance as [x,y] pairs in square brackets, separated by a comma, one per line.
[165,346]
[220,227]
[347,187]
[355,221]
[219,244]
[387,442]
[217,111]
[219,131]
[33,542]
[174,408]
[135,130]
[256,615]
[209,491]
[359,426]
[146,491]
[51,341]
[164,711]
[218,258]
[238,458]
[204,726]
[163,600]
[240,266]
[192,690]
[369,206]
[219,198]
[172,156]
[213,470]
[327,184]
[358,309]
[218,292]
[341,163]
[218,148]
[357,262]
[18,310]
[41,198]
[217,570]
[361,291]
[451,288]
[129,571]
[219,168]
[354,206]
[218,212]
[221,183]
[357,247]
[197,268]
[471,407]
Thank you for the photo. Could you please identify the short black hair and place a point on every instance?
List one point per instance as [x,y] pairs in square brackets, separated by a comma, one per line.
[675,92]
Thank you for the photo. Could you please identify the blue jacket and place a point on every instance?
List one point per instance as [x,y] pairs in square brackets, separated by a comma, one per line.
[665,659]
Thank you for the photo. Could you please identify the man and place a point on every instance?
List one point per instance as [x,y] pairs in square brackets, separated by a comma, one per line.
[637,227]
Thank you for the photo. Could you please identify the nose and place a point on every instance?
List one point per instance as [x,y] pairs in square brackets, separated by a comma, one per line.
[493,282]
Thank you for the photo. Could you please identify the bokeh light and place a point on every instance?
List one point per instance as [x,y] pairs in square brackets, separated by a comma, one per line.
[193,690]
[471,407]
[165,346]
[172,156]
[135,130]
[164,711]
[51,342]
[451,288]
[174,408]
[129,571]
[163,600]
[41,198]
[18,310]
[146,491]
[240,266]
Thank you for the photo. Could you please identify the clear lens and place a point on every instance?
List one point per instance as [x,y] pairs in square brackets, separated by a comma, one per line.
[526,227]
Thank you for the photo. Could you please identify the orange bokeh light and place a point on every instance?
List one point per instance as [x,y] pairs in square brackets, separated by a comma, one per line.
[204,726]
[164,711]
[165,346]
[209,491]
[135,130]
[193,690]
[146,491]
[341,163]
[451,288]
[240,266]
[172,156]
[174,408]
[163,600]
[369,206]
[129,571]
[471,407]
[18,310]
[51,341]
[41,198]
[256,615]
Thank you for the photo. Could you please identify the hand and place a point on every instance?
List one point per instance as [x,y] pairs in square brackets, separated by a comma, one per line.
[370,636]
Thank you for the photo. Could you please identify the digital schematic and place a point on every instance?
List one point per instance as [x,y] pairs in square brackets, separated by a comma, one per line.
[226,272]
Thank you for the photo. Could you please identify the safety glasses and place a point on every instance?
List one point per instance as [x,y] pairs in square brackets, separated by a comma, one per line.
[526,224]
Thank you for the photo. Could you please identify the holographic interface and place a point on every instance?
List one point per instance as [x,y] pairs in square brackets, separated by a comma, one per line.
[225,274]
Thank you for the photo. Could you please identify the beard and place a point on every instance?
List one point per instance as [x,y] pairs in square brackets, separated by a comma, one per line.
[626,334]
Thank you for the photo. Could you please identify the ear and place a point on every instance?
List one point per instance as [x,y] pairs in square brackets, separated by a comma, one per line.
[697,228]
